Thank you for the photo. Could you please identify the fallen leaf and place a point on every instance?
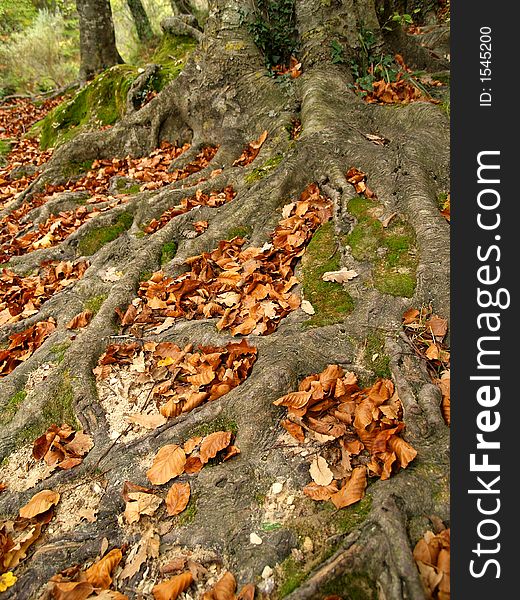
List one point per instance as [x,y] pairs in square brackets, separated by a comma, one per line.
[225,588]
[177,498]
[341,276]
[320,472]
[214,443]
[39,503]
[172,588]
[80,320]
[353,490]
[307,307]
[100,573]
[168,463]
[146,421]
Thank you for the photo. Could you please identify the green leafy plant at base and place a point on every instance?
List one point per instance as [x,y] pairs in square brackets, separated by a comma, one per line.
[273,30]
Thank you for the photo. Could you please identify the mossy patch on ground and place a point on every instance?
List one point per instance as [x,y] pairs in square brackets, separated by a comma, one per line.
[56,411]
[187,516]
[221,423]
[266,169]
[355,586]
[99,236]
[168,251]
[391,249]
[330,300]
[293,574]
[242,232]
[11,408]
[5,148]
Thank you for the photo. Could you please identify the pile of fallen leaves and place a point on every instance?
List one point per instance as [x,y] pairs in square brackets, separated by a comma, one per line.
[22,168]
[293,69]
[16,536]
[248,288]
[181,380]
[432,555]
[251,151]
[426,332]
[400,91]
[213,199]
[23,345]
[17,116]
[446,209]
[62,447]
[22,297]
[356,430]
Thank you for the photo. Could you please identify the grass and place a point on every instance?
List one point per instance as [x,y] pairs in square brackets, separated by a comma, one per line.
[330,300]
[392,250]
[98,237]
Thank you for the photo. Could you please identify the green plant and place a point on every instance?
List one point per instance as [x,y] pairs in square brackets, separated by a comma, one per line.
[336,53]
[273,30]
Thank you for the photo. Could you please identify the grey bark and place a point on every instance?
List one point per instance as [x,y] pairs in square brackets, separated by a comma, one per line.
[141,20]
[98,49]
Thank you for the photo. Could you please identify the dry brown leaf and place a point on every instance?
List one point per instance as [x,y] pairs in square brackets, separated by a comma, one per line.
[146,421]
[341,276]
[247,592]
[404,452]
[294,399]
[39,503]
[353,490]
[80,320]
[320,492]
[191,444]
[214,443]
[72,590]
[100,573]
[172,588]
[225,588]
[320,472]
[168,463]
[140,503]
[293,429]
[177,498]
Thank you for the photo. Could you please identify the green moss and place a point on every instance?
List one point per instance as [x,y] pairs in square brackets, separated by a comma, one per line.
[5,148]
[94,303]
[292,576]
[12,405]
[329,299]
[145,275]
[263,171]
[392,250]
[133,189]
[347,519]
[171,54]
[168,251]
[100,102]
[354,586]
[375,358]
[187,516]
[58,351]
[56,411]
[99,236]
[76,168]
[219,424]
[242,232]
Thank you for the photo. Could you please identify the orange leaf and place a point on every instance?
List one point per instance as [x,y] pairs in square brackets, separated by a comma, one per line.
[225,588]
[294,429]
[177,498]
[294,399]
[172,588]
[168,463]
[214,443]
[100,573]
[247,592]
[320,492]
[80,320]
[72,590]
[39,503]
[353,490]
[405,453]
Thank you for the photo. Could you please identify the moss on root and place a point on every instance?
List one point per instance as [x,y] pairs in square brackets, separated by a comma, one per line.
[241,232]
[100,102]
[94,303]
[168,251]
[58,410]
[375,358]
[354,586]
[330,300]
[103,100]
[58,351]
[266,169]
[221,423]
[11,408]
[391,249]
[96,238]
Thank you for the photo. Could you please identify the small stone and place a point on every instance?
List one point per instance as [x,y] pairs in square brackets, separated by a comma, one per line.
[308,545]
[255,539]
[276,488]
[290,500]
[267,572]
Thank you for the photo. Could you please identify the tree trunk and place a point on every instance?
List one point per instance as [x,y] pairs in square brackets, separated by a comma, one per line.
[97,38]
[226,97]
[142,23]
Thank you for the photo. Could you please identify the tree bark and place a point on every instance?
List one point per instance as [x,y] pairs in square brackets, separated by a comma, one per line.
[98,49]
[142,23]
[226,97]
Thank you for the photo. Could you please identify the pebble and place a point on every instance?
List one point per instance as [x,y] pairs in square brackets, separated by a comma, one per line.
[255,539]
[308,545]
[276,488]
[267,572]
